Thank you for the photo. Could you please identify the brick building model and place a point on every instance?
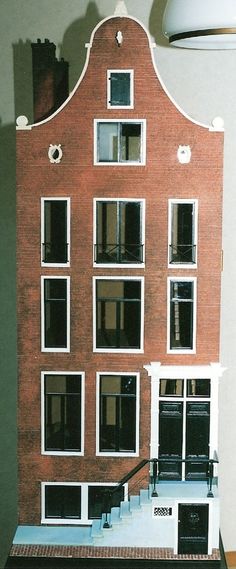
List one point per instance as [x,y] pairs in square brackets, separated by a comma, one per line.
[119,206]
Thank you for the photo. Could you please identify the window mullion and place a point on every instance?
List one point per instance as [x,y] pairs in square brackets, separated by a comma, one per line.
[63,400]
[118,231]
[119,141]
[184,437]
[118,422]
[118,322]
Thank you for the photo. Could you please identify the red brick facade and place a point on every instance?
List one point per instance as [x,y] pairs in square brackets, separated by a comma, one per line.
[162,178]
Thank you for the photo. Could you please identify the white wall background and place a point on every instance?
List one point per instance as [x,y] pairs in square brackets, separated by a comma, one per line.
[204,85]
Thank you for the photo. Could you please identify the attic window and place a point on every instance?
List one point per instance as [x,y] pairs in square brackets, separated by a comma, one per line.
[120,89]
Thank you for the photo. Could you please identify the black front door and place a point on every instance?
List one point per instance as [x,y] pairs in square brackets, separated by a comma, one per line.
[193,528]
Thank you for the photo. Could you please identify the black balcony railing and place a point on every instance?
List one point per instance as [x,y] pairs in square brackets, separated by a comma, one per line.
[182,254]
[154,479]
[55,253]
[114,253]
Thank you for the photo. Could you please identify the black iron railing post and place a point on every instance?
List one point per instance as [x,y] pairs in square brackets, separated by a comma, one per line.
[154,477]
[107,509]
[210,478]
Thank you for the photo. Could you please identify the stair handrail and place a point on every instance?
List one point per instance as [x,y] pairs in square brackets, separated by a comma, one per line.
[109,492]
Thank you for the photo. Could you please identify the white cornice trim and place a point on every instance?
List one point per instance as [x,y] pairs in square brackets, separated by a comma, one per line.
[157,370]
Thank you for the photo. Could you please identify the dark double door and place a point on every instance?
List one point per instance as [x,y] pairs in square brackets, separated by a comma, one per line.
[183,440]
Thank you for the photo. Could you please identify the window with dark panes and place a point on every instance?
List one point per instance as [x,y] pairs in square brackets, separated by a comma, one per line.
[55,313]
[119,142]
[117,413]
[181,314]
[120,89]
[101,499]
[118,314]
[55,245]
[62,400]
[62,502]
[118,232]
[182,245]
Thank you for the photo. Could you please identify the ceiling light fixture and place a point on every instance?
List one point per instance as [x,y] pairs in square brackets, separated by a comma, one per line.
[201,24]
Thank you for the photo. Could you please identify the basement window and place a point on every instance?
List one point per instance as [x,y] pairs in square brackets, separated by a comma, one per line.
[100,500]
[120,89]
[120,142]
[62,502]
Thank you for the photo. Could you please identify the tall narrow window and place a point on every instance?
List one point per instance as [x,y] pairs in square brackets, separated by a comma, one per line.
[118,414]
[62,502]
[55,231]
[63,413]
[55,314]
[120,89]
[182,232]
[118,314]
[119,232]
[181,325]
[120,142]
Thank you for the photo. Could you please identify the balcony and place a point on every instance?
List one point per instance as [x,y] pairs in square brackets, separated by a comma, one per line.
[110,253]
[182,254]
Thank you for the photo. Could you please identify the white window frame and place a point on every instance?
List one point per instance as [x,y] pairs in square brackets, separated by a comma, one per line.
[194,202]
[131,73]
[142,203]
[43,200]
[119,350]
[43,347]
[182,350]
[84,502]
[142,162]
[56,452]
[124,373]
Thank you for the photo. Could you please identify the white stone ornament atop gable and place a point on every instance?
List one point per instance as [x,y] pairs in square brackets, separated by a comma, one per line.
[184,154]
[119,37]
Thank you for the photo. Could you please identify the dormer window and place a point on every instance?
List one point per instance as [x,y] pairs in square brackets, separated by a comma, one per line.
[120,92]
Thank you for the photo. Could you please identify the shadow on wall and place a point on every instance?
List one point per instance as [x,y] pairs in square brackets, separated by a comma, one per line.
[76,36]
[8,383]
[72,49]
[155,22]
[23,83]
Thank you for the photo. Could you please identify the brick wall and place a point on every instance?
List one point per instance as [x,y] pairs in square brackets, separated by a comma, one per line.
[76,177]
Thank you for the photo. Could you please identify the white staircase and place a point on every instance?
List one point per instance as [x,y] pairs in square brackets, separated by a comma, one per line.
[130,524]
